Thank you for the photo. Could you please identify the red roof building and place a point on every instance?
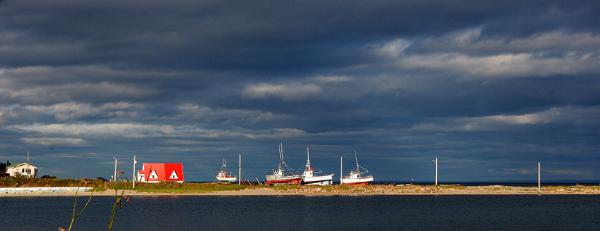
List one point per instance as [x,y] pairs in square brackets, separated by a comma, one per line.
[160,172]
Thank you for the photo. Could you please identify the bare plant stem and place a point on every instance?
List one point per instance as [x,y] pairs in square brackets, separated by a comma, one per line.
[113,214]
[75,215]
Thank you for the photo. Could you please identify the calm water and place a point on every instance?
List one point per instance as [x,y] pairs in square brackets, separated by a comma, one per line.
[312,213]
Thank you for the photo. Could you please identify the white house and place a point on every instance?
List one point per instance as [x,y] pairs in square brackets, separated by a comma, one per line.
[23,169]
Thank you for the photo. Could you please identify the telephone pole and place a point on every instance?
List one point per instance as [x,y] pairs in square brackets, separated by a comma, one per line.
[115,173]
[240,169]
[436,171]
[341,170]
[539,176]
[133,178]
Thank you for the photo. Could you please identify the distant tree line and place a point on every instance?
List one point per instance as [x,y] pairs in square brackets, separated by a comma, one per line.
[3,168]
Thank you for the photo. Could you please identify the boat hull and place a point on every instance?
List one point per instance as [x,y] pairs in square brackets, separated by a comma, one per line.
[318,180]
[357,181]
[226,179]
[283,180]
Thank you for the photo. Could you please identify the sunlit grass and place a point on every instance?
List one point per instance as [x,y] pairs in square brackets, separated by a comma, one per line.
[169,187]
[41,182]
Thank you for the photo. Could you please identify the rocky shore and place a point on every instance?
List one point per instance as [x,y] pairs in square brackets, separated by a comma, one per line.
[399,190]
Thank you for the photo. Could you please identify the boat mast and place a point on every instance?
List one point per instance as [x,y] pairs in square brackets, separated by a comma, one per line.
[281,156]
[307,157]
[357,166]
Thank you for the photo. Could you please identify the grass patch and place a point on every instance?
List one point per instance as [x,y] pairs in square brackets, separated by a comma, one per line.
[285,187]
[169,187]
[20,181]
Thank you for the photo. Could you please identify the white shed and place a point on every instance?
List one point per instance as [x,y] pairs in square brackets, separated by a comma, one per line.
[23,169]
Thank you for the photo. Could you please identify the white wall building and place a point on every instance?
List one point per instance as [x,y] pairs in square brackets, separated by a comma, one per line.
[23,169]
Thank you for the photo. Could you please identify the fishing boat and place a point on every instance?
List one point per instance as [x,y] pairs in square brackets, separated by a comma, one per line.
[309,177]
[225,176]
[282,175]
[356,176]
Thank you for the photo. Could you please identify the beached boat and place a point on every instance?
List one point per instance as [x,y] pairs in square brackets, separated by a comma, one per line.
[309,177]
[282,175]
[356,176]
[225,176]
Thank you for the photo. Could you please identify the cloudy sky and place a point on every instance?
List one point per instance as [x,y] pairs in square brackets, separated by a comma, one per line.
[489,87]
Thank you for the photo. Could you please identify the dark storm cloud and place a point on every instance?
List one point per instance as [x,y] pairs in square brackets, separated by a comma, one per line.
[489,86]
[232,35]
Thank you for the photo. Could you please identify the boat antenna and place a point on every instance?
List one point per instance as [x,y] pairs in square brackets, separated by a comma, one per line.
[28,157]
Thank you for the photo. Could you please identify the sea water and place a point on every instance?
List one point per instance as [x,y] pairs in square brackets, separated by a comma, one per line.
[510,212]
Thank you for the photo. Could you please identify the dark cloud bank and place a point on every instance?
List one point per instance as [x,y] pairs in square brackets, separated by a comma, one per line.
[489,87]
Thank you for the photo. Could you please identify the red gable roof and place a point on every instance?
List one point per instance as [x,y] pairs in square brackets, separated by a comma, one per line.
[156,172]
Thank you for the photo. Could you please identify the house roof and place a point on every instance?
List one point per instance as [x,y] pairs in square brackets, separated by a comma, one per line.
[21,165]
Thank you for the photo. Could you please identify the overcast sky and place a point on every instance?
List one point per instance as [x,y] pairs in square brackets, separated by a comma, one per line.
[489,87]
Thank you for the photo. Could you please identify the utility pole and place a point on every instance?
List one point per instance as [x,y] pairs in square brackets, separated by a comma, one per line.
[539,176]
[240,169]
[133,178]
[115,173]
[341,170]
[436,171]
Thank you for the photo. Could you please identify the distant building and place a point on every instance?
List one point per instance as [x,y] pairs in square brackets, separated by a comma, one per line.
[160,172]
[22,169]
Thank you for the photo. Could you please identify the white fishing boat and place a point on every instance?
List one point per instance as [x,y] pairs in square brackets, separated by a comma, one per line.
[309,177]
[282,175]
[225,176]
[357,177]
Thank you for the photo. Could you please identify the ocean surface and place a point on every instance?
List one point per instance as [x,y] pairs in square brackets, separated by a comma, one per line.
[310,213]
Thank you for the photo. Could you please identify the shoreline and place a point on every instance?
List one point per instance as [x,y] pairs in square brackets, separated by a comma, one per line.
[371,190]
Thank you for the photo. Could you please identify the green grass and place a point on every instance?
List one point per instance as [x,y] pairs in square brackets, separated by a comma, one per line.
[285,187]
[99,185]
[40,182]
[168,187]
[171,187]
